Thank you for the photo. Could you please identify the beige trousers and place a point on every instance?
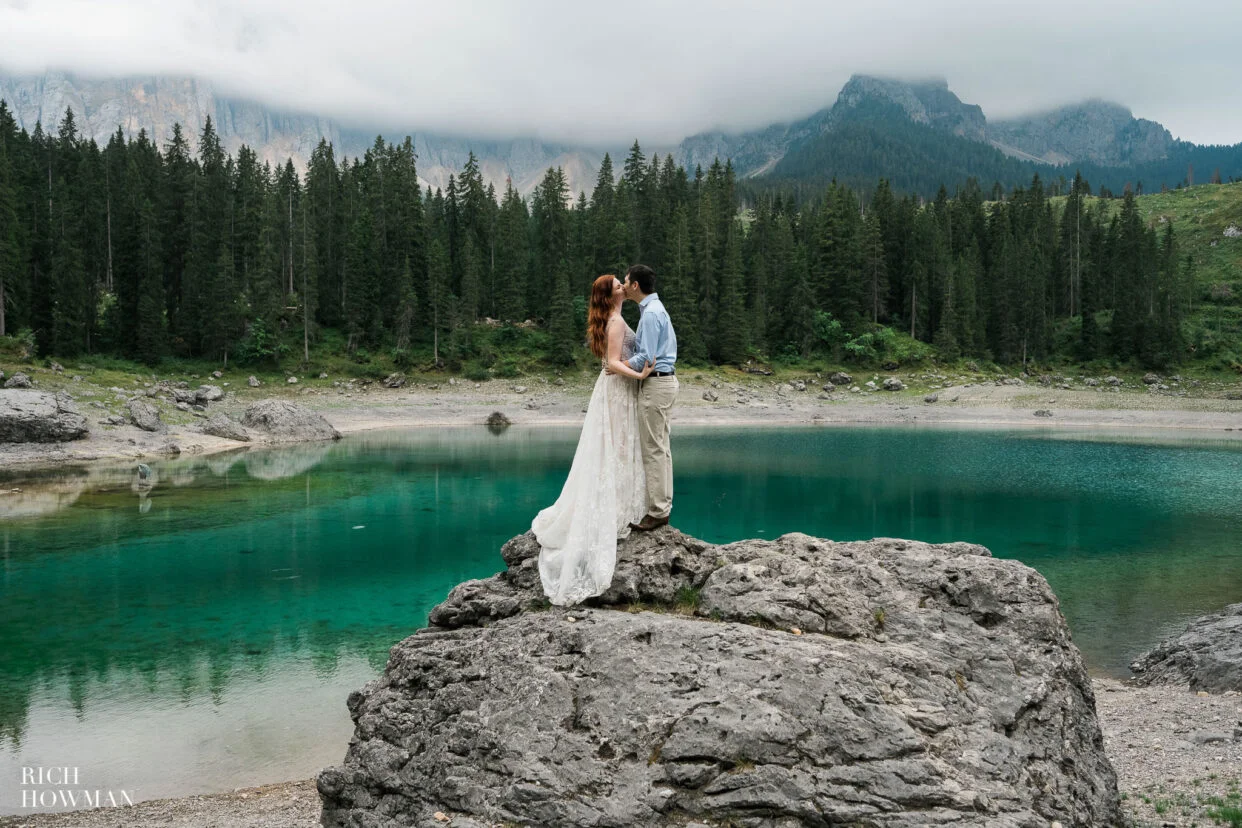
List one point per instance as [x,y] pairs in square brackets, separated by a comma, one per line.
[656,396]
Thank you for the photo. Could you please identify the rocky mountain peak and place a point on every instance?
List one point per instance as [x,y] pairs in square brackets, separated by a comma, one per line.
[1098,131]
[929,102]
[155,103]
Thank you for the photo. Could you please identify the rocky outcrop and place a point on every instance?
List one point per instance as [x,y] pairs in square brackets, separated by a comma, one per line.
[145,415]
[279,421]
[1096,131]
[39,417]
[760,683]
[218,425]
[1206,656]
[18,380]
[928,102]
[208,394]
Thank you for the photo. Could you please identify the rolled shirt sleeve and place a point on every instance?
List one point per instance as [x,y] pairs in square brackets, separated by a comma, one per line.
[645,339]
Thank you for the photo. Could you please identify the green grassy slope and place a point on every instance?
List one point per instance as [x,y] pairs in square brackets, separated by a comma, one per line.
[1200,216]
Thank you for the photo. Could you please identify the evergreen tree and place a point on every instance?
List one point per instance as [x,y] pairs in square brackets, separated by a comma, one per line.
[874,266]
[512,255]
[565,339]
[362,303]
[440,298]
[150,323]
[10,249]
[676,289]
[407,309]
[177,228]
[733,334]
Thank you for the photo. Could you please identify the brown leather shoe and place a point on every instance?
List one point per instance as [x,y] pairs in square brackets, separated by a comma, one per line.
[649,522]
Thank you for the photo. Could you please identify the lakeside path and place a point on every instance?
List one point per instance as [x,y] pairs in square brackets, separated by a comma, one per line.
[1191,410]
[1154,736]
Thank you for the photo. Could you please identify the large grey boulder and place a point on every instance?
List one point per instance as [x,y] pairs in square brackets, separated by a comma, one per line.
[39,417]
[219,425]
[760,683]
[18,380]
[145,415]
[1206,656]
[208,393]
[282,421]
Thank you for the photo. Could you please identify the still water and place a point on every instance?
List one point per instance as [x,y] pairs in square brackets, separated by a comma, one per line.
[204,634]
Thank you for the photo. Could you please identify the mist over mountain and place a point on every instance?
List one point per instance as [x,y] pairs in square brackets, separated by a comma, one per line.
[156,103]
[917,133]
[1095,132]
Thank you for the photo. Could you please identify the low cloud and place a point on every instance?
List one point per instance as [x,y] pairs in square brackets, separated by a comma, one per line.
[604,74]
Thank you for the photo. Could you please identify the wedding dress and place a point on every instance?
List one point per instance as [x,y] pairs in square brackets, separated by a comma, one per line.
[605,491]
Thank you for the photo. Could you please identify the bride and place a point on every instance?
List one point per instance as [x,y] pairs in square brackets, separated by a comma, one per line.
[606,488]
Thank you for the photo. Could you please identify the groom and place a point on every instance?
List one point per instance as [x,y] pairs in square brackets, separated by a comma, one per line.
[656,343]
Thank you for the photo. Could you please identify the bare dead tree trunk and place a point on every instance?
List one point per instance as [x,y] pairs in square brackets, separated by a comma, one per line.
[290,239]
[914,307]
[305,303]
[108,207]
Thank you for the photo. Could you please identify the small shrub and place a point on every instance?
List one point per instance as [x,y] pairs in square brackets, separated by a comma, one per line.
[20,346]
[261,346]
[507,368]
[401,358]
[475,371]
[687,599]
[1227,814]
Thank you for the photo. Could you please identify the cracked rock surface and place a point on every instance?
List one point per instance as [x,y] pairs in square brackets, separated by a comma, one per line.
[759,683]
[1207,656]
[39,417]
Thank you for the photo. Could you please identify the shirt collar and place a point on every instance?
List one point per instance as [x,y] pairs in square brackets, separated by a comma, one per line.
[647,299]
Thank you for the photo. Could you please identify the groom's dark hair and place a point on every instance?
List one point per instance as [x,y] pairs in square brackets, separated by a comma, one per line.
[642,276]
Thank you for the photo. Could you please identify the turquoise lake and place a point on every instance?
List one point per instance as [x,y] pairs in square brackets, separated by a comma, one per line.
[203,635]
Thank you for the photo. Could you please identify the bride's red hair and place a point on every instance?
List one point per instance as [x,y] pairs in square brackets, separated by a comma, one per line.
[597,314]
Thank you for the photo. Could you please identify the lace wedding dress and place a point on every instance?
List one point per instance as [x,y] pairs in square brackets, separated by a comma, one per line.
[605,491]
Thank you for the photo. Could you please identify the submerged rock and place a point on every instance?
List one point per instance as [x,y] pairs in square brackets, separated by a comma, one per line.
[283,421]
[1207,656]
[39,417]
[760,683]
[498,419]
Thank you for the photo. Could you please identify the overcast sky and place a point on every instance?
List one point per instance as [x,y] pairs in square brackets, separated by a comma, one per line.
[605,73]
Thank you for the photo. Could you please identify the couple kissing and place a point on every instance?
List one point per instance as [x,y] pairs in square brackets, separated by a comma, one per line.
[621,478]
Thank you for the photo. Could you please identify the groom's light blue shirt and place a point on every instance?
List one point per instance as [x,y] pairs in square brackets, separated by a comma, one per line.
[656,341]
